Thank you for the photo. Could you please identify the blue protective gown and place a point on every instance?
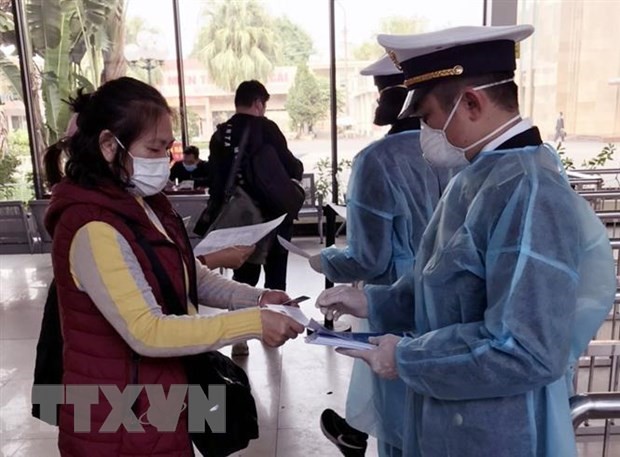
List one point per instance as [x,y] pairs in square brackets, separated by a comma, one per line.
[391,197]
[513,278]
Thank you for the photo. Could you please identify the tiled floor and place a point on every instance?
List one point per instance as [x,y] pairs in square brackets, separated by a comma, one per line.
[292,385]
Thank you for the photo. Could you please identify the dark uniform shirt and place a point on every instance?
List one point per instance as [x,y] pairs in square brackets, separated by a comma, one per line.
[200,175]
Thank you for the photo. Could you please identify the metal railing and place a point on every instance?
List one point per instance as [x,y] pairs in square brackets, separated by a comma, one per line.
[593,406]
[610,176]
[599,405]
[596,410]
[602,200]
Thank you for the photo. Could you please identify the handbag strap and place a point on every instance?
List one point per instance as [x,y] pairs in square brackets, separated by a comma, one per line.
[243,144]
[165,284]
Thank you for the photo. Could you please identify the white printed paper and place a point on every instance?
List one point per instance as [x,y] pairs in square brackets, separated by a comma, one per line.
[291,311]
[292,248]
[347,340]
[187,184]
[339,209]
[236,236]
[323,336]
[298,315]
[339,342]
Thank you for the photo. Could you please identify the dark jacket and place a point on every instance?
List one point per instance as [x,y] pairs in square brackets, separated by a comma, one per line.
[94,353]
[228,136]
[200,175]
[405,124]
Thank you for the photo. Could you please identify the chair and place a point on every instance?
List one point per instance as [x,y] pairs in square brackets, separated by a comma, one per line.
[15,234]
[311,208]
[190,206]
[37,209]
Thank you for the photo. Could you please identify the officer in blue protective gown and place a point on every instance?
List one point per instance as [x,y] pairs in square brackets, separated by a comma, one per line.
[391,196]
[514,274]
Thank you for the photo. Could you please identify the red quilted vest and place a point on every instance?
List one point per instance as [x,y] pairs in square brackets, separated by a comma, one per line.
[94,353]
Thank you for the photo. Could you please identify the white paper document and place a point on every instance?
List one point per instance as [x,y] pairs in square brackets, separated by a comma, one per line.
[346,340]
[186,221]
[292,248]
[340,210]
[188,184]
[236,236]
[291,311]
[323,336]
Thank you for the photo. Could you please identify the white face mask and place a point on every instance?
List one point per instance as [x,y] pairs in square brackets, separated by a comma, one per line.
[436,148]
[150,176]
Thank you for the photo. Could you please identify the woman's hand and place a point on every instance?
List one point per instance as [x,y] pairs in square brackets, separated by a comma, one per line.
[273,297]
[278,328]
[231,257]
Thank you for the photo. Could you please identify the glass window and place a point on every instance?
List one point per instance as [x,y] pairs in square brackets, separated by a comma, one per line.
[15,162]
[569,74]
[289,52]
[284,44]
[356,47]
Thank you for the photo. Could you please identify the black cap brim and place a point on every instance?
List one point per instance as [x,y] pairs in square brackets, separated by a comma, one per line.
[412,102]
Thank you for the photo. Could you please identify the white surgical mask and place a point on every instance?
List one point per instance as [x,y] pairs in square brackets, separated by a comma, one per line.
[438,150]
[150,176]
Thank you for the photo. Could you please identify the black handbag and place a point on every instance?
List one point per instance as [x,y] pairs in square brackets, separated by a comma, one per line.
[272,184]
[237,210]
[212,368]
[48,365]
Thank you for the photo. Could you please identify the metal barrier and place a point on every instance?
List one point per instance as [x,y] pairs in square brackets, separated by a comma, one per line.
[585,184]
[597,378]
[15,233]
[582,181]
[611,220]
[610,176]
[592,406]
[597,171]
[599,367]
[598,375]
[38,208]
[602,200]
[615,249]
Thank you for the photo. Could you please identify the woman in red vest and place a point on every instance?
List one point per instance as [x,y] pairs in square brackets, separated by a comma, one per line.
[117,327]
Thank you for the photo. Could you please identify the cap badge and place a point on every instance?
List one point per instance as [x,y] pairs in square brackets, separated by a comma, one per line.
[392,56]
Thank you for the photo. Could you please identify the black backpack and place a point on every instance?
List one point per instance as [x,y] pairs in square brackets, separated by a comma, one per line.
[265,174]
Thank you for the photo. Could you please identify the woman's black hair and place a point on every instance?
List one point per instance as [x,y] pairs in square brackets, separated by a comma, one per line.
[126,107]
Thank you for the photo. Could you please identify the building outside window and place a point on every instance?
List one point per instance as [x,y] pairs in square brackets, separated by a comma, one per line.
[569,66]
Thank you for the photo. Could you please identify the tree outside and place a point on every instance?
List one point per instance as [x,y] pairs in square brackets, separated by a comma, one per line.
[307,101]
[8,167]
[75,43]
[16,169]
[237,44]
[193,124]
[396,25]
[295,44]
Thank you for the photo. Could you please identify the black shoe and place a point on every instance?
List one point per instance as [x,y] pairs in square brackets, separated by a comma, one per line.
[350,441]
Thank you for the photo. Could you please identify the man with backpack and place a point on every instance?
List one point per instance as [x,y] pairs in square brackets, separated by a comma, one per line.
[265,173]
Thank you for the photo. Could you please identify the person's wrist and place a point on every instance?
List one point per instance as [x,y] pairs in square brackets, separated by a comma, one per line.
[260,297]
